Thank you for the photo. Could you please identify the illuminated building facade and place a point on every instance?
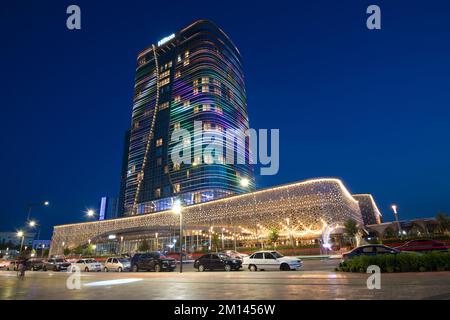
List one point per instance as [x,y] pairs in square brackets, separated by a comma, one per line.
[301,210]
[192,76]
[368,208]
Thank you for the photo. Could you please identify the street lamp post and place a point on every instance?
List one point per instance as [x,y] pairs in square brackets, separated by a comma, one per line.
[176,208]
[32,223]
[21,234]
[31,205]
[394,208]
[210,239]
[91,214]
[223,244]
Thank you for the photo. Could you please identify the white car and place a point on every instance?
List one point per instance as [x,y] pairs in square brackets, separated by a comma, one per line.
[86,265]
[117,264]
[4,264]
[271,260]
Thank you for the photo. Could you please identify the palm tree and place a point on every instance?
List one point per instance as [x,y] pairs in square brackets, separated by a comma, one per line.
[273,235]
[215,241]
[351,229]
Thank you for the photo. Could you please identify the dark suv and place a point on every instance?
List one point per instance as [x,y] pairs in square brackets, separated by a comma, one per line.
[56,264]
[152,261]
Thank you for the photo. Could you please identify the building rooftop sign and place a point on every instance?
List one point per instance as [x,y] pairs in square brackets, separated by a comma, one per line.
[166,39]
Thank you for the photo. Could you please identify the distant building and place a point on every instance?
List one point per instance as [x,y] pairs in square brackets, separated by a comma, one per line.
[41,244]
[108,208]
[123,175]
[369,210]
[11,237]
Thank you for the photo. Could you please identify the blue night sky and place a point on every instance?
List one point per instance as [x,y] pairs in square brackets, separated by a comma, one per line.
[369,107]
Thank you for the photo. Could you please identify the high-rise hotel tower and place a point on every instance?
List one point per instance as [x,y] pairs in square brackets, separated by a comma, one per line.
[188,78]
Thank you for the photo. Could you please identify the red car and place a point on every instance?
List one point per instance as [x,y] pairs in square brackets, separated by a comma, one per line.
[423,246]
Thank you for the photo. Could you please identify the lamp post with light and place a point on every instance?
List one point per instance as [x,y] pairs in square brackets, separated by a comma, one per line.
[90,213]
[177,209]
[21,234]
[30,206]
[223,244]
[394,208]
[36,204]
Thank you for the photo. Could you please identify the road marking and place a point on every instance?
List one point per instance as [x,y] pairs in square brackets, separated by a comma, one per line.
[111,282]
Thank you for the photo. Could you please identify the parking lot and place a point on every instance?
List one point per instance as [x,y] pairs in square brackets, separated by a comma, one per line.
[317,280]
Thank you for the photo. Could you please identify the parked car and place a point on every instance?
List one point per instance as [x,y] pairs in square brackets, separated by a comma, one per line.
[152,261]
[235,255]
[86,265]
[423,245]
[13,265]
[117,264]
[369,250]
[35,264]
[56,264]
[271,260]
[213,261]
[4,264]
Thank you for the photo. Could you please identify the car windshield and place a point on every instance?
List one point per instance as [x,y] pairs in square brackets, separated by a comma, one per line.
[223,256]
[277,254]
[59,260]
[123,260]
[90,261]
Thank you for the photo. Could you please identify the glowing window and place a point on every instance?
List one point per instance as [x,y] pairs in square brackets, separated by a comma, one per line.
[164,82]
[165,74]
[163,106]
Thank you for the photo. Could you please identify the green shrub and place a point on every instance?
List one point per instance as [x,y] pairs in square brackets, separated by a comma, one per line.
[403,262]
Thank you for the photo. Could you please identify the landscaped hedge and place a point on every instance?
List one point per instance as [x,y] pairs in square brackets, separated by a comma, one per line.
[403,262]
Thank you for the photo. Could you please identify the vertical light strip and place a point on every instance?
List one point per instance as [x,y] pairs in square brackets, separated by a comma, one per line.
[150,135]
